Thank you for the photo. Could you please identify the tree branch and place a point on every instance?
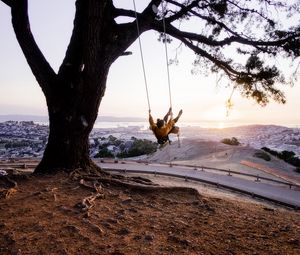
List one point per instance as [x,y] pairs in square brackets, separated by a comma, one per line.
[172,31]
[183,11]
[35,58]
[123,12]
[8,2]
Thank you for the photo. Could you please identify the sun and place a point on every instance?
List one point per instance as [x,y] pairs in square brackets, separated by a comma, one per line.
[216,114]
[221,125]
[218,117]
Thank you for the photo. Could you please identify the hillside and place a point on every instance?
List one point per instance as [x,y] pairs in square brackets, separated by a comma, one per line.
[199,152]
[61,215]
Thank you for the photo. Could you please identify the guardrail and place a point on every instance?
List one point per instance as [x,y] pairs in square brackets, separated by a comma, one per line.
[230,172]
[218,185]
[202,168]
[195,167]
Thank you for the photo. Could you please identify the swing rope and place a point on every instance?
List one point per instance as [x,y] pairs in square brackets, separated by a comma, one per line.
[142,56]
[167,62]
[166,52]
[166,55]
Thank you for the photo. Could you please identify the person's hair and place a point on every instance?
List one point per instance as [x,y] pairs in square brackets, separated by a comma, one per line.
[160,123]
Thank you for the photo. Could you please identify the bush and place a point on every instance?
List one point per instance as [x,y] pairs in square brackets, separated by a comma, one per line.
[104,153]
[272,152]
[232,141]
[294,161]
[287,156]
[139,147]
[262,155]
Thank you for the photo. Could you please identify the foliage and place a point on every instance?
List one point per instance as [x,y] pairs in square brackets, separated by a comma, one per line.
[232,141]
[287,156]
[262,155]
[104,153]
[139,147]
[123,149]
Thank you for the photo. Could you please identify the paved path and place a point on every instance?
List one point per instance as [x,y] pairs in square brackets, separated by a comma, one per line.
[275,192]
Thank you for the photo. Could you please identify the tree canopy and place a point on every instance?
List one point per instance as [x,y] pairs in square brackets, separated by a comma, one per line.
[238,39]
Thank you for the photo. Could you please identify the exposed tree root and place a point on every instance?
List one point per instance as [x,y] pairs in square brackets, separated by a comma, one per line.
[7,187]
[134,183]
[88,202]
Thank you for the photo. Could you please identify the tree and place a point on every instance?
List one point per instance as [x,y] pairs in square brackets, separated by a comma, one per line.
[74,93]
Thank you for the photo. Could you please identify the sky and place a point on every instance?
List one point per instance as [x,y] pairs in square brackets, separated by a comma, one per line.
[201,97]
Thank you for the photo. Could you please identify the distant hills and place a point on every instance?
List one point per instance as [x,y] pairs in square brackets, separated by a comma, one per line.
[19,117]
[40,118]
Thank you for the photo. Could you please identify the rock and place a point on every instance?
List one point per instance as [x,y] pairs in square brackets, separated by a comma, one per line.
[285,229]
[176,239]
[117,253]
[293,241]
[72,228]
[127,201]
[133,210]
[106,224]
[269,209]
[123,231]
[113,221]
[137,237]
[149,237]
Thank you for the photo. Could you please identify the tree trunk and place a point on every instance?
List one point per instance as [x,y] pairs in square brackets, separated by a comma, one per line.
[67,147]
[74,94]
[72,114]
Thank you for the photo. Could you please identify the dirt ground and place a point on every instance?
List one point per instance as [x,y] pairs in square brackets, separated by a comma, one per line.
[59,215]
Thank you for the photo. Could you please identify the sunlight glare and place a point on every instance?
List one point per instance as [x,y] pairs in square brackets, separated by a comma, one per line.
[221,125]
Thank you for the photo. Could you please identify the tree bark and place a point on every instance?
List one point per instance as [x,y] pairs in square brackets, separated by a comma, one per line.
[72,114]
[74,94]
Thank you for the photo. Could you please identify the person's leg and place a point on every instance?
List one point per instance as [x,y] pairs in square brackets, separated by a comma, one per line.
[166,117]
[174,130]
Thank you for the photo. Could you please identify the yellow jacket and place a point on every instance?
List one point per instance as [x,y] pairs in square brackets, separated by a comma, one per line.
[163,131]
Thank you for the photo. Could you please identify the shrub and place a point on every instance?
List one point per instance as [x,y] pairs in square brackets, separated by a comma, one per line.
[139,147]
[272,152]
[262,155]
[232,141]
[293,161]
[104,153]
[287,156]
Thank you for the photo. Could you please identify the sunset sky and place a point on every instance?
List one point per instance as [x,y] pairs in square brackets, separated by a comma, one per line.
[201,98]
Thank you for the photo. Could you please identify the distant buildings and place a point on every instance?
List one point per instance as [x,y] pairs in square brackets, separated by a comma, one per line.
[29,139]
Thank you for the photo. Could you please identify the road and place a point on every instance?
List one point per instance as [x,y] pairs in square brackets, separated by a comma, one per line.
[270,191]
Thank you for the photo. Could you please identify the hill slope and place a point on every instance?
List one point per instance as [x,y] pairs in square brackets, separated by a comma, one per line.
[44,215]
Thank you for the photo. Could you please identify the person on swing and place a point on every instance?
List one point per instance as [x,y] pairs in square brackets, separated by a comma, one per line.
[162,128]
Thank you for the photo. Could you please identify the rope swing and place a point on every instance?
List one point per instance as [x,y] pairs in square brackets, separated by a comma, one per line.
[174,129]
[166,51]
[142,55]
